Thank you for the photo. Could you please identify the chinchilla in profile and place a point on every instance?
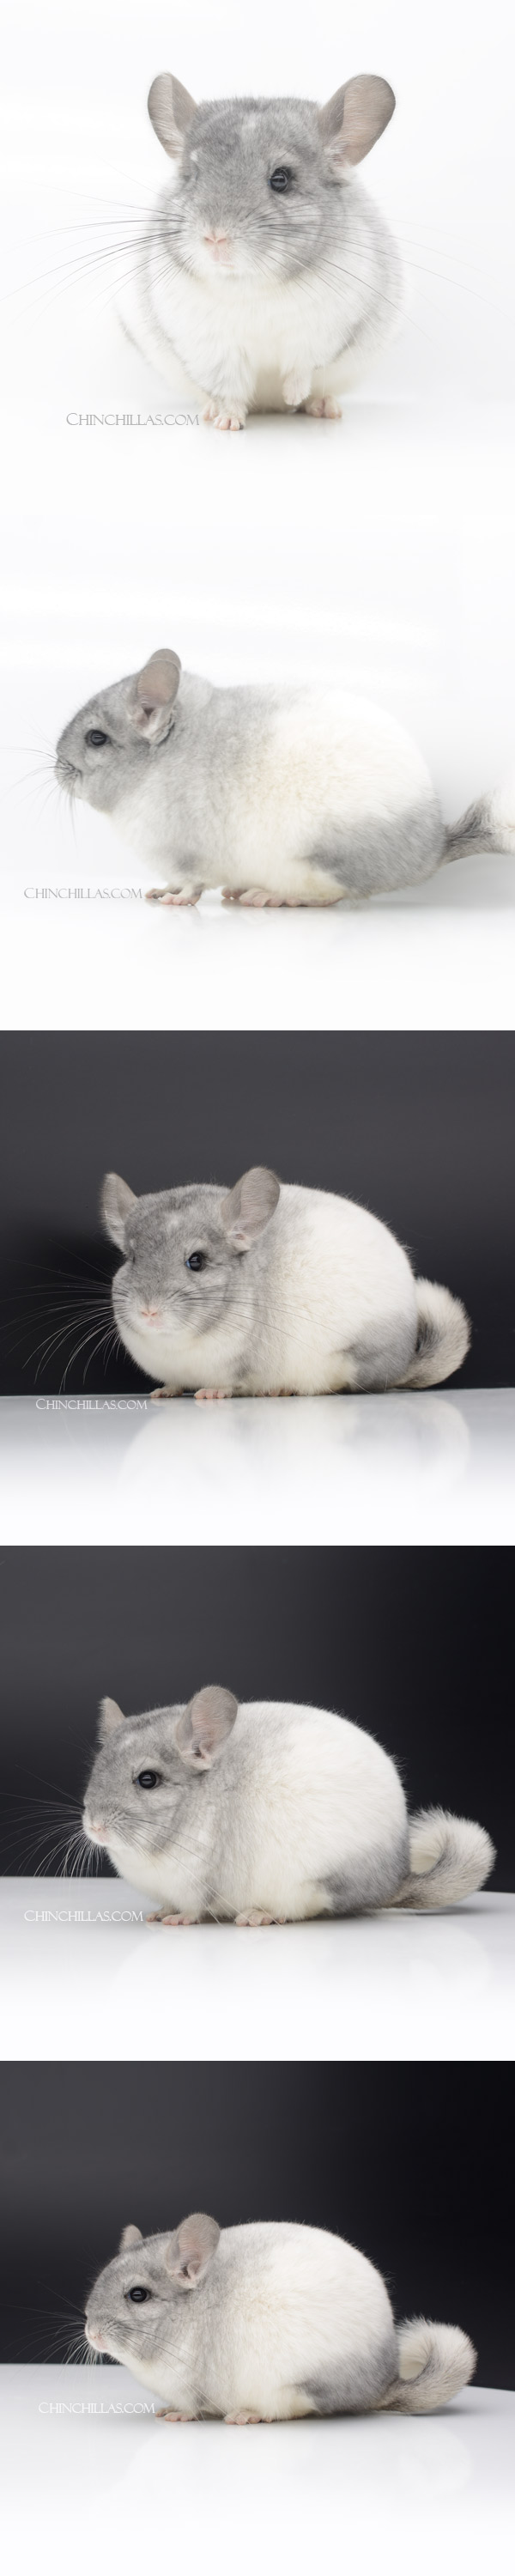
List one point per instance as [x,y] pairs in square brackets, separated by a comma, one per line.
[260,2323]
[266,270]
[283,795]
[266,1812]
[268,1289]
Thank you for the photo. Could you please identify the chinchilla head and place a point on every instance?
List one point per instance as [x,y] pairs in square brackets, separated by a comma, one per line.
[135,2310]
[255,179]
[111,746]
[146,1767]
[185,1251]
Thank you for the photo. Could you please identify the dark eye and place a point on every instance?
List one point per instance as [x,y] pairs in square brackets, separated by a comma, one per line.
[138,2295]
[196,1261]
[148,1780]
[95,739]
[281,179]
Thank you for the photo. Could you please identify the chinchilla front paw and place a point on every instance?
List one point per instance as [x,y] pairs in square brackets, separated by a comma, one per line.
[219,415]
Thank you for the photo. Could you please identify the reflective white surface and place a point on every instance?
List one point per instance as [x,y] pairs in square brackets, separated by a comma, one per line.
[406,1469]
[371,2492]
[392,1986]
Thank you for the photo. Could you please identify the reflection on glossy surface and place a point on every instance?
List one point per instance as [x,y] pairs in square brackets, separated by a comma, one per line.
[388,1986]
[378,2491]
[437,1467]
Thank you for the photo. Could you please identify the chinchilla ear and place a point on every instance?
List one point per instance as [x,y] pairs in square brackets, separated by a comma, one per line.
[152,695]
[249,1207]
[204,1727]
[190,2250]
[116,1202]
[353,120]
[171,111]
[110,1715]
[129,2236]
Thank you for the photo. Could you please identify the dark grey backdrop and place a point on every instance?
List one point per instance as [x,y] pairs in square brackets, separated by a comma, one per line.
[414,2164]
[415,1644]
[419,1128]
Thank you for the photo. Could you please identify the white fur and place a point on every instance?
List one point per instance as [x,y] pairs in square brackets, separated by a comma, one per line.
[448,1325]
[450,1857]
[501,815]
[435,2362]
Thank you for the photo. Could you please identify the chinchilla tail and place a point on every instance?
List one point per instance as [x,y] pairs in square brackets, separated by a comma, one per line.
[434,2363]
[449,1858]
[443,1336]
[489,825]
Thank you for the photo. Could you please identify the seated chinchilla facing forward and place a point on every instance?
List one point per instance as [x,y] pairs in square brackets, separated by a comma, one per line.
[268,1812]
[265,270]
[261,2323]
[269,1289]
[282,795]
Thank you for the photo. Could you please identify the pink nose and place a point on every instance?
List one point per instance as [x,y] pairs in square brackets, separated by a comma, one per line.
[150,1312]
[97,1825]
[215,239]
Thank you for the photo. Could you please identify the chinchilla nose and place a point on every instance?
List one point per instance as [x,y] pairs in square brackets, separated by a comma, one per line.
[217,238]
[151,1313]
[95,1825]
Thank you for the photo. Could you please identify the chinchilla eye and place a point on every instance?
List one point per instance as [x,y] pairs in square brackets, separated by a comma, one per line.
[95,738]
[148,1780]
[138,2295]
[196,1261]
[281,179]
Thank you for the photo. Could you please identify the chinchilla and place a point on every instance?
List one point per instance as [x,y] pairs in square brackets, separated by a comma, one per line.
[267,1812]
[266,271]
[284,795]
[269,1289]
[262,2322]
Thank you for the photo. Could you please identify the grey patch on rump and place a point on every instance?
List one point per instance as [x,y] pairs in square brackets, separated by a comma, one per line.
[373,1879]
[382,1356]
[380,857]
[354,2387]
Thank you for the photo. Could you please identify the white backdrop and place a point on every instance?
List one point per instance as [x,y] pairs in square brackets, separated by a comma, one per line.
[381,549]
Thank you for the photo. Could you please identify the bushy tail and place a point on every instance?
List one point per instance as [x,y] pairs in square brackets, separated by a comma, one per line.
[443,1336]
[434,2363]
[489,825]
[449,1858]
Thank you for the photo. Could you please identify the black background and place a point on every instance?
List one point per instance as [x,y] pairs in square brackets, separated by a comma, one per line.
[418,1128]
[414,1643]
[412,2163]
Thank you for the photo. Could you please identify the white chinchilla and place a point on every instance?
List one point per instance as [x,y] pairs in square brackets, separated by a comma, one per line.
[266,271]
[262,2323]
[268,1289]
[264,1812]
[283,795]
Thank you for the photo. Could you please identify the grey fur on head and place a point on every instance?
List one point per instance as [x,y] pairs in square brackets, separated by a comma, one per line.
[225,150]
